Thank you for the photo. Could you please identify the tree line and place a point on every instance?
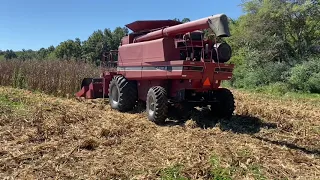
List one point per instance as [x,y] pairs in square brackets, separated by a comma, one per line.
[91,50]
[276,46]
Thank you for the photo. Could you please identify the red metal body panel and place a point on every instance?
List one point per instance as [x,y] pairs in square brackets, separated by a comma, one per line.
[177,78]
[153,70]
[82,92]
[107,78]
[94,88]
[91,91]
[151,51]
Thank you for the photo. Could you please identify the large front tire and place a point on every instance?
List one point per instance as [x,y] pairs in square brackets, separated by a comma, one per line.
[225,105]
[123,94]
[157,104]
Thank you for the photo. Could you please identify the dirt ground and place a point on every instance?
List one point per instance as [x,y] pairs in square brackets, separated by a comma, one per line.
[45,137]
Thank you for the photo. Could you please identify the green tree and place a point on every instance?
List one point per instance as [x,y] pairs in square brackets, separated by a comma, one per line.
[10,54]
[24,55]
[271,38]
[95,45]
[102,41]
[184,20]
[69,49]
[51,49]
[42,53]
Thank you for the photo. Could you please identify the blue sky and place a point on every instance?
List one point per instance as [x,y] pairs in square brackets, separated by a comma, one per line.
[40,23]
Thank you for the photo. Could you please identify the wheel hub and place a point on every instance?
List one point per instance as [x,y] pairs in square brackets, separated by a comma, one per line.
[115,94]
[151,106]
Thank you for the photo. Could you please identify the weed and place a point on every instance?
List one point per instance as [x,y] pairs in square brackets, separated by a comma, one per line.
[218,172]
[172,173]
[13,103]
[257,172]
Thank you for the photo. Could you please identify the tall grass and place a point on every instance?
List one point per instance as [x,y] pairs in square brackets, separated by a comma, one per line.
[53,77]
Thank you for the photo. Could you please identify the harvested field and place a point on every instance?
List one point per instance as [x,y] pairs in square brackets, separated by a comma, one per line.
[45,137]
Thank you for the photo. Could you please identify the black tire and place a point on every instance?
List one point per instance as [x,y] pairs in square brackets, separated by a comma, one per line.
[157,104]
[225,105]
[123,94]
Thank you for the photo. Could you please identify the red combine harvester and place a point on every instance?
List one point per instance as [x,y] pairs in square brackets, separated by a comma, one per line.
[166,64]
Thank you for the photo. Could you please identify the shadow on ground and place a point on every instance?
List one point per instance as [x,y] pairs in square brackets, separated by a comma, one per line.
[204,119]
[242,124]
[289,145]
[237,123]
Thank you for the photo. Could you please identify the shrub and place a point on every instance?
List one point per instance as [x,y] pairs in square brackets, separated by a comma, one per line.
[278,77]
[305,77]
[278,88]
[313,83]
[263,75]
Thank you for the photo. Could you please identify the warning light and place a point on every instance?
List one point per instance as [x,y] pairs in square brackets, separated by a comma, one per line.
[207,82]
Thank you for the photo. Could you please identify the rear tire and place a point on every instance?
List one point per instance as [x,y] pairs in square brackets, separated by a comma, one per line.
[123,94]
[225,106]
[157,104]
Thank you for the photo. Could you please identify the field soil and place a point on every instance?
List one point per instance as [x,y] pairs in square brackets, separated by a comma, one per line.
[46,137]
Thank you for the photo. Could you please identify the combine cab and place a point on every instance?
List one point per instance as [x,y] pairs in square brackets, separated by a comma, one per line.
[165,63]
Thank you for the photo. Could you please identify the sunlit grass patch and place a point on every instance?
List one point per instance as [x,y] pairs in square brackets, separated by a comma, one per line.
[172,173]
[10,102]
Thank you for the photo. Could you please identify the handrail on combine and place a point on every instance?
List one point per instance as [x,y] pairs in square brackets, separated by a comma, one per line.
[109,61]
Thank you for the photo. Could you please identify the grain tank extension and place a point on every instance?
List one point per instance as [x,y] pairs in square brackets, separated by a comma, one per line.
[168,65]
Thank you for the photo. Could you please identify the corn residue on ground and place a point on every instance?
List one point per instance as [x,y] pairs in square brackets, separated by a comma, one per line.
[45,137]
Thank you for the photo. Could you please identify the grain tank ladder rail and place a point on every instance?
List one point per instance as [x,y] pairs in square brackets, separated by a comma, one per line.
[109,62]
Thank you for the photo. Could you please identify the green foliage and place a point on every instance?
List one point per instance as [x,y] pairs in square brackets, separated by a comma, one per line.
[18,79]
[101,42]
[256,171]
[306,76]
[68,49]
[184,20]
[172,173]
[237,166]
[10,54]
[218,172]
[96,44]
[273,43]
[27,55]
[91,50]
[5,101]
